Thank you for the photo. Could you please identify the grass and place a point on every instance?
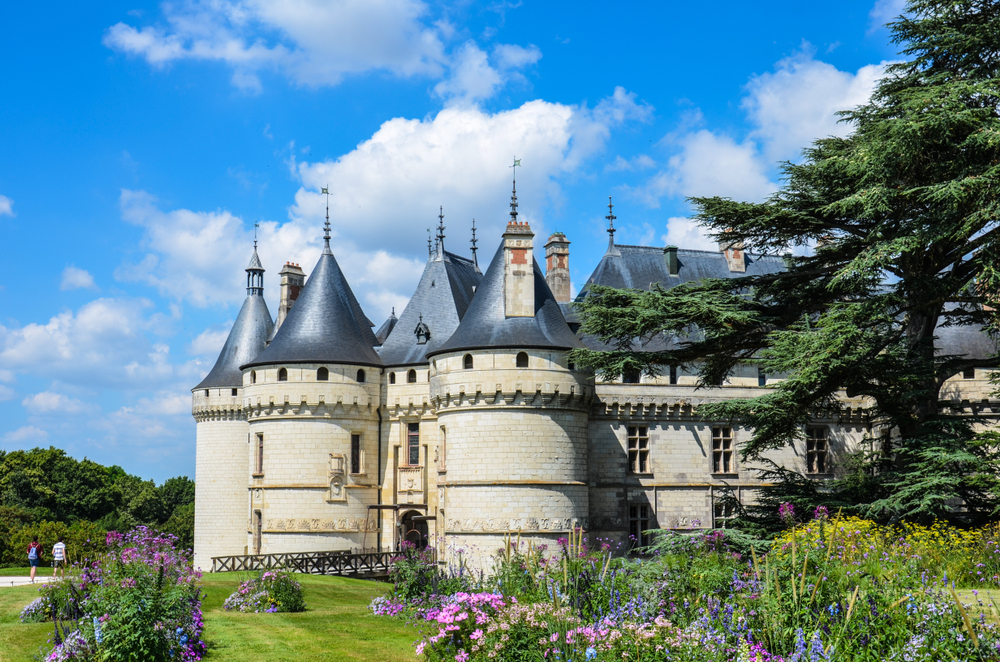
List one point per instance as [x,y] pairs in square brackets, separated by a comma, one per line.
[335,626]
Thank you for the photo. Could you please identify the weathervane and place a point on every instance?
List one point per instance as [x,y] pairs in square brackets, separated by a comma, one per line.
[513,195]
[326,226]
[256,225]
[611,219]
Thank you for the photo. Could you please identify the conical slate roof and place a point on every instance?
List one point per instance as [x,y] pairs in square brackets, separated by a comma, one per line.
[486,325]
[440,301]
[386,328]
[325,325]
[246,340]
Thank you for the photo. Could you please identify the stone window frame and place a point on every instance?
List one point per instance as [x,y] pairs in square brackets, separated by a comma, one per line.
[258,456]
[411,376]
[323,374]
[357,457]
[282,374]
[467,362]
[639,463]
[723,458]
[640,513]
[442,450]
[817,450]
[257,524]
[522,360]
[408,446]
[392,377]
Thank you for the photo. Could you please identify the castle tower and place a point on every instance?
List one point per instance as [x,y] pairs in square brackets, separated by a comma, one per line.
[221,458]
[411,431]
[557,266]
[512,412]
[312,401]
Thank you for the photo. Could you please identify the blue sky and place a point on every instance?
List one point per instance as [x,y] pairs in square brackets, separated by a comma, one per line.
[140,142]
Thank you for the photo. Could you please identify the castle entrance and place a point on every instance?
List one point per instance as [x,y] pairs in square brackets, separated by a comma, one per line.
[413,528]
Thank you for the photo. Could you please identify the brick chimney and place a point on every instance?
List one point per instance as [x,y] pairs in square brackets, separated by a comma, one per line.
[734,256]
[557,266]
[293,279]
[518,271]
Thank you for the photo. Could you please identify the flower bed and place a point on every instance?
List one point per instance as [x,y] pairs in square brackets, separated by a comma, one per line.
[138,601]
[832,589]
[271,591]
[36,611]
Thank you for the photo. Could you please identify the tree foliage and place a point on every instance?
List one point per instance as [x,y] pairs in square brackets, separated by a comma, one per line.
[45,492]
[903,216]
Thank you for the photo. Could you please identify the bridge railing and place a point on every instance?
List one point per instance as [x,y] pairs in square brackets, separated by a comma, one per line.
[312,563]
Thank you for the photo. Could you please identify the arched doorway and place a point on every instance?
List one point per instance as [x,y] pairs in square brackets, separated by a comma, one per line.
[413,530]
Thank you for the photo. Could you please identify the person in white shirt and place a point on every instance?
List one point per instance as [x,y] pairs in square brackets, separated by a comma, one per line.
[59,558]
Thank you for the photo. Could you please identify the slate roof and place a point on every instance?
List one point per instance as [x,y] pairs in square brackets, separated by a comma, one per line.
[255,262]
[386,328]
[246,340]
[485,325]
[325,325]
[442,297]
[639,267]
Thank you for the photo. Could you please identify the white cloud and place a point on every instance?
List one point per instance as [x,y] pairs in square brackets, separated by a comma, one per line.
[799,101]
[209,342]
[76,279]
[6,206]
[386,192]
[686,233]
[787,110]
[6,393]
[313,42]
[48,402]
[103,344]
[26,433]
[640,162]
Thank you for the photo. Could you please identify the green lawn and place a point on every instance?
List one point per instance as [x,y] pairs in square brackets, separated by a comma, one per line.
[335,626]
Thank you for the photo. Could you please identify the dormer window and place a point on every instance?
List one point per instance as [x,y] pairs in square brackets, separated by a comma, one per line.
[323,375]
[422,331]
[282,375]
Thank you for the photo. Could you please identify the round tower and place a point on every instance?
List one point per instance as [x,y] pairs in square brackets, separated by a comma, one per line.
[512,412]
[221,469]
[312,399]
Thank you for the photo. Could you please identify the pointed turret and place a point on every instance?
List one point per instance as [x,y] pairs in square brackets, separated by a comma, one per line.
[326,324]
[387,327]
[248,336]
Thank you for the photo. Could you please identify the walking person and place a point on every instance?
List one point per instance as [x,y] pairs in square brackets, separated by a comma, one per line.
[34,556]
[59,558]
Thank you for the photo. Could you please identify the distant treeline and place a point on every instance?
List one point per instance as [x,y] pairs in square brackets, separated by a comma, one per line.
[45,492]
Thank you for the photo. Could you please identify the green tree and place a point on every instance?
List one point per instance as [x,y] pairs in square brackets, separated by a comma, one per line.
[903,213]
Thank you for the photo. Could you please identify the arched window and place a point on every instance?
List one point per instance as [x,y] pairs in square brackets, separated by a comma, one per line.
[468,361]
[322,375]
[282,375]
[522,359]
[361,376]
[392,378]
[411,377]
[253,376]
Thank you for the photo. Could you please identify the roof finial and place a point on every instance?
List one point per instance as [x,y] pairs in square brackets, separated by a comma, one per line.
[326,226]
[612,250]
[440,233]
[429,253]
[255,226]
[513,194]
[474,240]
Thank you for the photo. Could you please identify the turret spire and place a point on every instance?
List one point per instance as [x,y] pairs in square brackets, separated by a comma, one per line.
[430,253]
[612,249]
[255,271]
[326,226]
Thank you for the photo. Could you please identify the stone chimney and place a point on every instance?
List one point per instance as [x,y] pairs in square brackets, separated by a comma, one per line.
[293,279]
[518,271]
[734,256]
[557,266]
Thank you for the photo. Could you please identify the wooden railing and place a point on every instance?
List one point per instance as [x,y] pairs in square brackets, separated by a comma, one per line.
[312,563]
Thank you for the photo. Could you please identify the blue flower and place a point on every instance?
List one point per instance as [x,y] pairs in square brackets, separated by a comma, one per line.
[591,653]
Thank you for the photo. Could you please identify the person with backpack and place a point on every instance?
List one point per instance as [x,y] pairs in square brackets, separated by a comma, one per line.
[34,556]
[59,558]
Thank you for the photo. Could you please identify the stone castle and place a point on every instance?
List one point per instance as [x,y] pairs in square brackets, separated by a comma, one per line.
[462,420]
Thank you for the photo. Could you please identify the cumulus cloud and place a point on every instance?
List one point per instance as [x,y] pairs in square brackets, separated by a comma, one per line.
[786,110]
[104,343]
[386,192]
[313,42]
[686,233]
[209,342]
[26,433]
[48,402]
[6,206]
[77,279]
[798,102]
[6,393]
